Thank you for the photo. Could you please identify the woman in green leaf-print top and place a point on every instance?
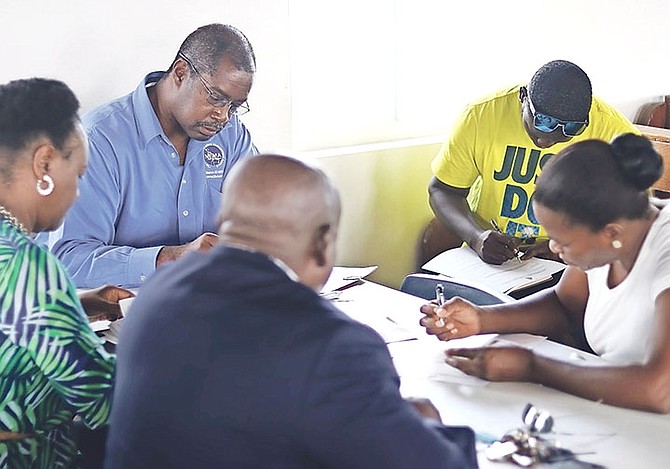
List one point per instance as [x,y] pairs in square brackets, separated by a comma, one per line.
[51,362]
[52,365]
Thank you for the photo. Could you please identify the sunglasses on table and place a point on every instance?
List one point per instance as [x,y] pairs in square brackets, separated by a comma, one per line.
[545,123]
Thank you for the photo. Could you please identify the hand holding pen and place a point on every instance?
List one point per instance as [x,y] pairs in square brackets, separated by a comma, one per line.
[450,320]
[517,252]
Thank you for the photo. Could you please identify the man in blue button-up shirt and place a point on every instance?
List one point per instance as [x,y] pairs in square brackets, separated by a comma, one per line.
[158,158]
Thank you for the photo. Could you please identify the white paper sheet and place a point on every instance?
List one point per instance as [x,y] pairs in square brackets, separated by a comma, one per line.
[425,359]
[343,276]
[125,305]
[464,263]
[386,327]
[112,334]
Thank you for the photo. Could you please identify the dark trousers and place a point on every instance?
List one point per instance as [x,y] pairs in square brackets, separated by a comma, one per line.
[91,444]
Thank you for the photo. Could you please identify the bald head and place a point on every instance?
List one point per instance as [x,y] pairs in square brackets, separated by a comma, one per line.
[284,208]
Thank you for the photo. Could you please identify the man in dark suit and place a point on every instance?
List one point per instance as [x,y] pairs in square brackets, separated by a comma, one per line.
[231,358]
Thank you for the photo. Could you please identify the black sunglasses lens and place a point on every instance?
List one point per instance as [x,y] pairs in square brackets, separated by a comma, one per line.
[572,129]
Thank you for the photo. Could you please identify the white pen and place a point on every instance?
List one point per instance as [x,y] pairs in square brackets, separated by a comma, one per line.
[439,297]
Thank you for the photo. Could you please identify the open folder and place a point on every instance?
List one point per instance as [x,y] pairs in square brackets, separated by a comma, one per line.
[464,263]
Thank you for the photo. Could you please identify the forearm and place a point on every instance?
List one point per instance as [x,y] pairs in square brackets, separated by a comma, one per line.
[204,242]
[644,387]
[611,385]
[540,314]
[451,209]
[169,254]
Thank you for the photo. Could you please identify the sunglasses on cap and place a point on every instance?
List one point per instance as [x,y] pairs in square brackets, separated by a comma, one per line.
[545,123]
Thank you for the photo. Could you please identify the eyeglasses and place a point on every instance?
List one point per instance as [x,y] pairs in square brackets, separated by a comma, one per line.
[545,123]
[213,98]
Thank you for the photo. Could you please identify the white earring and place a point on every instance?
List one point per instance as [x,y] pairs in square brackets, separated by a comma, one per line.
[616,244]
[44,191]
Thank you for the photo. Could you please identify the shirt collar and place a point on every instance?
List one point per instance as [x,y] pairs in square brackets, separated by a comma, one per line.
[287,270]
[290,273]
[148,126]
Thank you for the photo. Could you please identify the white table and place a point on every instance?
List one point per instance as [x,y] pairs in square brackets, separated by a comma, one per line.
[614,437]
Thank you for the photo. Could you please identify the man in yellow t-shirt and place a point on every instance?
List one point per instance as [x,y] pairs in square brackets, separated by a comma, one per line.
[484,174]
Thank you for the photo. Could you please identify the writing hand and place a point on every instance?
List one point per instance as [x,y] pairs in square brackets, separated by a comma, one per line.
[103,303]
[495,248]
[456,318]
[204,242]
[493,363]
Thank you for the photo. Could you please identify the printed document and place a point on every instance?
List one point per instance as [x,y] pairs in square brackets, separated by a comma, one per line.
[512,275]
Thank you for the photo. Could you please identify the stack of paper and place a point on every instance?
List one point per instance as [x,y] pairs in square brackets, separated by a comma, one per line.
[513,275]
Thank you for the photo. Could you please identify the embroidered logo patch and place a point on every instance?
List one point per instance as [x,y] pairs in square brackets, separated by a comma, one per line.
[213,156]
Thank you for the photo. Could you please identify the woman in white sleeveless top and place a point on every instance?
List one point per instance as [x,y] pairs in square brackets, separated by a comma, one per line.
[592,198]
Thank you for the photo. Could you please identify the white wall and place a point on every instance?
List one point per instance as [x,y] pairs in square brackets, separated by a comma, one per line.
[351,71]
[373,70]
[103,49]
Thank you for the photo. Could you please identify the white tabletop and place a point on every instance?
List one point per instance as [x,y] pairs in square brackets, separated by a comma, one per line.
[603,434]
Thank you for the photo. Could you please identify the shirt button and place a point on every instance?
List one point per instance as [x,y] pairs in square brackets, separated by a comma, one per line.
[185,213]
[173,155]
[183,181]
[143,277]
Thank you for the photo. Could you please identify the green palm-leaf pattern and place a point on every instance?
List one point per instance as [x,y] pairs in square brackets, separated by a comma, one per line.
[52,364]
